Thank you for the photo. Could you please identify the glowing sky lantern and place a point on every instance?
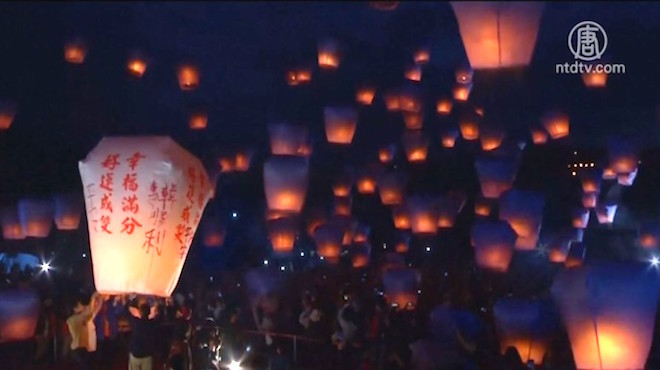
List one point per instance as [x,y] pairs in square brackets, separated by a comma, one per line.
[188,76]
[340,124]
[413,73]
[462,92]
[285,182]
[384,5]
[391,187]
[341,186]
[299,76]
[496,174]
[580,218]
[11,224]
[402,242]
[605,212]
[443,106]
[560,243]
[401,216]
[361,233]
[491,138]
[36,217]
[482,207]
[137,65]
[627,179]
[328,238]
[314,218]
[386,153]
[449,206]
[422,56]
[329,54]
[523,210]
[526,325]
[365,95]
[68,210]
[609,312]
[469,126]
[413,120]
[448,137]
[243,159]
[539,135]
[367,178]
[213,232]
[577,252]
[287,139]
[282,234]
[649,234]
[594,79]
[144,198]
[493,243]
[557,124]
[7,114]
[416,146]
[75,51]
[423,214]
[198,119]
[591,180]
[343,206]
[498,34]
[400,287]
[589,200]
[19,311]
[360,254]
[464,75]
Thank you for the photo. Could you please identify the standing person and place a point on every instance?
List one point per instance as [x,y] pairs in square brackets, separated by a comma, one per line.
[143,338]
[107,328]
[83,332]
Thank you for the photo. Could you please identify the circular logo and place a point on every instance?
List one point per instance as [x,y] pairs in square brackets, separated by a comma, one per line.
[587,41]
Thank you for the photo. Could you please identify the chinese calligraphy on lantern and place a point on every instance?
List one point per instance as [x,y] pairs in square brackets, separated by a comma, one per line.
[161,200]
[109,164]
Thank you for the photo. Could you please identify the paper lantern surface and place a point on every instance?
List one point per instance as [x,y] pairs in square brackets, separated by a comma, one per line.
[144,198]
[498,34]
[36,217]
[493,243]
[19,311]
[68,211]
[11,224]
[523,210]
[340,124]
[609,312]
[285,183]
[400,287]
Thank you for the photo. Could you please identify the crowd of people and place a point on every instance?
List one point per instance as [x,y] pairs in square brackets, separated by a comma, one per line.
[332,326]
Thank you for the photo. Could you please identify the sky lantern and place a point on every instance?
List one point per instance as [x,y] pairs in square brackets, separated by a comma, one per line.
[400,287]
[526,325]
[448,137]
[144,198]
[591,180]
[493,243]
[198,119]
[342,185]
[391,187]
[19,312]
[605,212]
[482,207]
[413,73]
[298,76]
[443,106]
[423,214]
[287,139]
[539,135]
[68,210]
[496,175]
[329,54]
[422,56]
[340,124]
[282,234]
[386,153]
[402,243]
[461,92]
[557,124]
[589,200]
[416,146]
[36,217]
[623,156]
[594,79]
[328,238]
[314,218]
[361,233]
[75,51]
[560,243]
[213,232]
[609,173]
[348,225]
[242,159]
[580,218]
[188,76]
[464,75]
[365,95]
[609,312]
[137,65]
[410,99]
[401,217]
[263,287]
[343,206]
[649,235]
[413,120]
[491,138]
[627,179]
[360,254]
[523,210]
[367,177]
[469,126]
[449,206]
[7,114]
[392,101]
[498,34]
[227,164]
[576,254]
[12,229]
[285,182]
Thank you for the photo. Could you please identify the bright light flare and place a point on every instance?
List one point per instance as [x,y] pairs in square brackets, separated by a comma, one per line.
[45,267]
[234,365]
[655,261]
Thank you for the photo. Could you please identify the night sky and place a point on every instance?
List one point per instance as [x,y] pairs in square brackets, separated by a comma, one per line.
[243,51]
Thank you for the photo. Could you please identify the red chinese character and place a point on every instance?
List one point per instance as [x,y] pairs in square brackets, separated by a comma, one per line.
[130,182]
[149,242]
[191,194]
[185,215]
[106,202]
[202,180]
[162,218]
[188,234]
[111,162]
[130,204]
[106,181]
[182,251]
[133,161]
[130,224]
[172,195]
[180,231]
[155,215]
[153,188]
[105,223]
[200,200]
[191,174]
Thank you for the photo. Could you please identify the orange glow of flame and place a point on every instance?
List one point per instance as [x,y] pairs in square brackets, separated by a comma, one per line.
[360,260]
[413,73]
[417,154]
[328,60]
[198,121]
[391,196]
[298,77]
[413,121]
[6,118]
[365,95]
[482,209]
[557,125]
[469,130]
[589,200]
[495,257]
[137,67]
[366,185]
[341,190]
[443,106]
[421,56]
[188,77]
[385,155]
[242,161]
[340,132]
[557,255]
[527,349]
[539,136]
[594,79]
[282,240]
[75,53]
[214,239]
[461,92]
[401,247]
[401,219]
[226,164]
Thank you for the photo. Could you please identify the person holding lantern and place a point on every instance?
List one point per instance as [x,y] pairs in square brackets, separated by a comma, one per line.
[82,330]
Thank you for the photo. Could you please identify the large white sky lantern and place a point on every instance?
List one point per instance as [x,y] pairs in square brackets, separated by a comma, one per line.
[144,198]
[609,312]
[498,34]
